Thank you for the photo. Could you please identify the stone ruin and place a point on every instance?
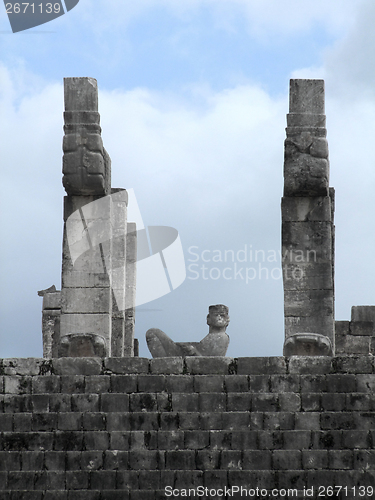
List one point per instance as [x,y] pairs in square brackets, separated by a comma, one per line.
[91,421]
[94,313]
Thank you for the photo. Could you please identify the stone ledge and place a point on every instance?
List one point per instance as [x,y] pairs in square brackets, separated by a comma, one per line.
[212,365]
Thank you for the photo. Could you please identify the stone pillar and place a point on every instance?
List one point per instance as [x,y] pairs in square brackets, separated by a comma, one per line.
[130,349]
[86,295]
[307,225]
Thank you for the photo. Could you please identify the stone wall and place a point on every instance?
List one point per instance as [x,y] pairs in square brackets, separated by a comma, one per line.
[127,428]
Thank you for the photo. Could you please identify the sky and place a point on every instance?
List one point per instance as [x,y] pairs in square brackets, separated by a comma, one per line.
[192,97]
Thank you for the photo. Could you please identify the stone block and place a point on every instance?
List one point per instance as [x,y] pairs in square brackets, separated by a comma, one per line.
[363,313]
[97,383]
[94,421]
[183,402]
[93,324]
[261,366]
[80,94]
[22,366]
[212,402]
[342,327]
[305,175]
[287,459]
[307,421]
[126,365]
[114,402]
[304,242]
[238,401]
[231,460]
[77,366]
[304,209]
[85,402]
[143,402]
[290,401]
[362,328]
[265,402]
[306,96]
[284,383]
[341,383]
[69,421]
[306,276]
[352,364]
[124,383]
[357,344]
[315,459]
[151,383]
[85,300]
[202,365]
[297,440]
[209,383]
[311,364]
[45,384]
[72,384]
[52,300]
[167,366]
[333,402]
[278,420]
[319,324]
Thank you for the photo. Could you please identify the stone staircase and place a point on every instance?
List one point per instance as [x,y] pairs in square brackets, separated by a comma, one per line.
[140,429]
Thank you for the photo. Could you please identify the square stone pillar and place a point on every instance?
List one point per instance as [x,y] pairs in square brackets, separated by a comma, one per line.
[307,225]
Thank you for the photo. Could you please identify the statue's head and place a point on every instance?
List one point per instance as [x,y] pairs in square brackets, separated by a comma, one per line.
[218,317]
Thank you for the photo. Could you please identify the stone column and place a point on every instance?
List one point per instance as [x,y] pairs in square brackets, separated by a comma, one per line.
[86,295]
[307,225]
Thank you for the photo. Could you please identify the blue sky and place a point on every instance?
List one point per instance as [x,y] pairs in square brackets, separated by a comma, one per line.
[193,97]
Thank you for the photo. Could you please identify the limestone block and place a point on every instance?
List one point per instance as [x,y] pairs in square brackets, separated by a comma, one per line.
[308,303]
[52,300]
[307,242]
[308,276]
[362,328]
[22,366]
[86,300]
[86,323]
[72,278]
[82,345]
[305,175]
[303,209]
[80,94]
[323,325]
[356,344]
[130,286]
[306,120]
[363,313]
[77,366]
[306,96]
[342,327]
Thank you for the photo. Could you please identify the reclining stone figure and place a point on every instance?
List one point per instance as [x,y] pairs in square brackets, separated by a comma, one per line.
[214,344]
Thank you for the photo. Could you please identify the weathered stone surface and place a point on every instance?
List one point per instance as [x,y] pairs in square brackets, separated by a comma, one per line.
[131,260]
[306,96]
[307,224]
[308,344]
[86,300]
[304,208]
[82,345]
[74,366]
[86,164]
[363,313]
[305,175]
[309,303]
